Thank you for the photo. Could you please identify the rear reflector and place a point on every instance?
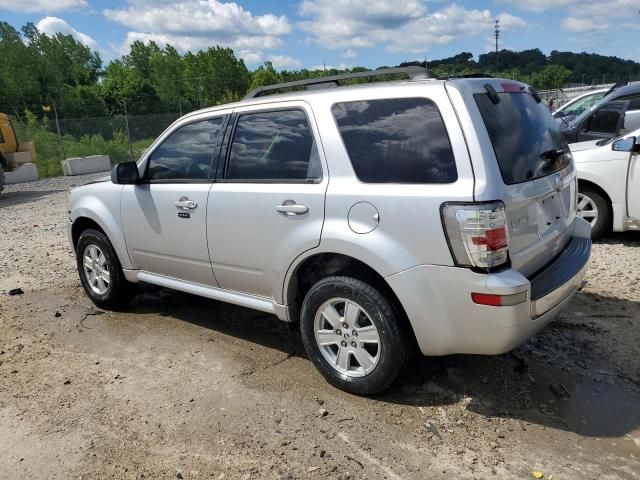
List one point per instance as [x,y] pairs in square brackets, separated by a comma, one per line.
[499,300]
[493,239]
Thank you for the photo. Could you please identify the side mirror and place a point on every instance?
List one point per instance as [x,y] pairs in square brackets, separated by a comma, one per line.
[625,145]
[559,114]
[125,174]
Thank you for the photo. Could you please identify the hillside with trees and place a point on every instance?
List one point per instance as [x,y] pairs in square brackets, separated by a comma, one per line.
[37,70]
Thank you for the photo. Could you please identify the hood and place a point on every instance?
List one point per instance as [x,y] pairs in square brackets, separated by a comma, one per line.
[106,178]
[578,147]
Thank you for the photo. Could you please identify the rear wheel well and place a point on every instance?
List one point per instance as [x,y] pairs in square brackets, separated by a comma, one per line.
[80,225]
[323,265]
[3,161]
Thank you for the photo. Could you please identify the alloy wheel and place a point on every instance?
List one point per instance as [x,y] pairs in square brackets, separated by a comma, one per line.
[587,209]
[95,269]
[347,337]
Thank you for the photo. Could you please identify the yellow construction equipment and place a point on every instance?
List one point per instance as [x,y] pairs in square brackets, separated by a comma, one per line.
[12,154]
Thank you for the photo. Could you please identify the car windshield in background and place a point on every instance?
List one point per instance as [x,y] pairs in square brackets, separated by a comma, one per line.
[526,139]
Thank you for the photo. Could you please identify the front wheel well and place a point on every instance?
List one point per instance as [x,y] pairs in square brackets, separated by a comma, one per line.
[597,188]
[80,225]
[322,265]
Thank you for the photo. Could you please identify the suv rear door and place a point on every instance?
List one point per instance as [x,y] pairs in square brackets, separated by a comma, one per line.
[267,205]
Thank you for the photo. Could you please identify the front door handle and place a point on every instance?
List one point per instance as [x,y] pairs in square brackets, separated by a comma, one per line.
[185,204]
[290,209]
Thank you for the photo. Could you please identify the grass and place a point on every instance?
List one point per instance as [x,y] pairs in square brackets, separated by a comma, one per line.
[49,149]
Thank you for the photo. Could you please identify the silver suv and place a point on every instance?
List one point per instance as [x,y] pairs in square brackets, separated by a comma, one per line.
[429,214]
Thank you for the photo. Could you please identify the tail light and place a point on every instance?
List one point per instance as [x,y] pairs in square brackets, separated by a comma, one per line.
[477,234]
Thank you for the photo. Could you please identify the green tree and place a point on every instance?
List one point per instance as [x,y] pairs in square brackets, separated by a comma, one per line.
[265,74]
[550,77]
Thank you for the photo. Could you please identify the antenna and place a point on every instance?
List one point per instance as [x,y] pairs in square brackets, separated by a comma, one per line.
[497,34]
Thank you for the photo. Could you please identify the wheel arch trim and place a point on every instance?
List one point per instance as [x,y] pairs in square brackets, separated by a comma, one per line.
[109,225]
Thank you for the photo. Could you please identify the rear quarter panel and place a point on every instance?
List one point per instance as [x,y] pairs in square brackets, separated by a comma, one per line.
[410,231]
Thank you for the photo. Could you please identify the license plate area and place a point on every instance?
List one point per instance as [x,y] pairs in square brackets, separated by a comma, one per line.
[553,210]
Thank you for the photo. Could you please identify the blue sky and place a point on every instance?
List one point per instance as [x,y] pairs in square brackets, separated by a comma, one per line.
[341,33]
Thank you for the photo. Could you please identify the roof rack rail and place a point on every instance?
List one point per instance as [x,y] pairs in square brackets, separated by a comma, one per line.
[413,72]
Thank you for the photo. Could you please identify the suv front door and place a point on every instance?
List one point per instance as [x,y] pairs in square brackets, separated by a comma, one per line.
[267,205]
[605,122]
[164,217]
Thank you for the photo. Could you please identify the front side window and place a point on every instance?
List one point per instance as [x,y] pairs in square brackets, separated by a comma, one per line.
[187,153]
[605,121]
[401,140]
[273,146]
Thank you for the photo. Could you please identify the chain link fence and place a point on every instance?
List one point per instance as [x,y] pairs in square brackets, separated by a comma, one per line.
[60,133]
[563,95]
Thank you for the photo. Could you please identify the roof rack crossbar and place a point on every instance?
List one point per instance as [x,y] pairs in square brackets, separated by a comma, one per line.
[413,72]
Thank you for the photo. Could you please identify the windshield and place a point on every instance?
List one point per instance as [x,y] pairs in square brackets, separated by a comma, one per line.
[526,138]
[587,112]
[582,104]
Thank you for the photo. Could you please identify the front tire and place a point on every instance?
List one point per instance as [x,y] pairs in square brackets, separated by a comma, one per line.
[100,272]
[594,208]
[353,335]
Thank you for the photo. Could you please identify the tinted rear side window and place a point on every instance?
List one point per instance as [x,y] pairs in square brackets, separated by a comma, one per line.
[272,146]
[396,141]
[526,138]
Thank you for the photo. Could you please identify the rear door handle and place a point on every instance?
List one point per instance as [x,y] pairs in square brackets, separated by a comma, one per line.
[185,204]
[292,209]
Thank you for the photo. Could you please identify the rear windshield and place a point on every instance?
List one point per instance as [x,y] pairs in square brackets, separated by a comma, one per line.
[526,138]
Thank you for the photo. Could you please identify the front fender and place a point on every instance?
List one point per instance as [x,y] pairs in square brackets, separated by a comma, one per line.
[101,203]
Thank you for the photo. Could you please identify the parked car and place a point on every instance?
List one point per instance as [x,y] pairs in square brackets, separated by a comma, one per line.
[616,113]
[577,105]
[609,183]
[427,212]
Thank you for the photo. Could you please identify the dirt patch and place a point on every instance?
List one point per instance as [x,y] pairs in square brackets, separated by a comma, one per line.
[183,387]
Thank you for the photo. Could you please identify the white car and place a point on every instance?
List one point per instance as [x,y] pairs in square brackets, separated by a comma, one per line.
[609,183]
[577,105]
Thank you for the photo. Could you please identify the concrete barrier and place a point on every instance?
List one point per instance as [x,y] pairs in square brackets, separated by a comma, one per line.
[84,165]
[25,173]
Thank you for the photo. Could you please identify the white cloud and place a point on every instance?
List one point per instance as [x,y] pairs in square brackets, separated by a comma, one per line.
[349,54]
[341,66]
[401,26]
[250,57]
[509,21]
[23,6]
[53,25]
[284,61]
[189,25]
[582,25]
[538,5]
[582,16]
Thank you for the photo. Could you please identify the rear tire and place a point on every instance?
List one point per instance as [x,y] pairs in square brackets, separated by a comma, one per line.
[353,335]
[595,209]
[100,271]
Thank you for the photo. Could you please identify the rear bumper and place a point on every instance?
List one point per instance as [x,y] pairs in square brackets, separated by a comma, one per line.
[445,320]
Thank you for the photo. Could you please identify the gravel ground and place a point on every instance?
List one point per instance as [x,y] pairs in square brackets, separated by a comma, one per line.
[184,387]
